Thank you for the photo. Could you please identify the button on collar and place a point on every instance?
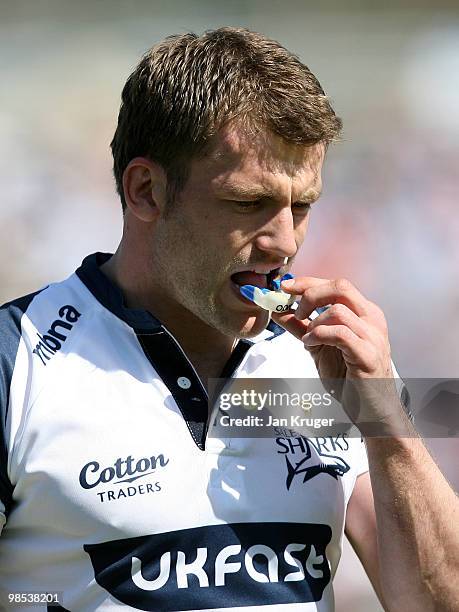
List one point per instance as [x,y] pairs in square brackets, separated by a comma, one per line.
[184,382]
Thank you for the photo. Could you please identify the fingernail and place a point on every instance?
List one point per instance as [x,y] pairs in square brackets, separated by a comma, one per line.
[289,283]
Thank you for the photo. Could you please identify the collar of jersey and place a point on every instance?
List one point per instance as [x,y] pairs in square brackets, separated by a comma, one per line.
[111,297]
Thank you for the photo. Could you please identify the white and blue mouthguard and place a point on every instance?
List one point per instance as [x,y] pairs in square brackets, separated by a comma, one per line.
[274,301]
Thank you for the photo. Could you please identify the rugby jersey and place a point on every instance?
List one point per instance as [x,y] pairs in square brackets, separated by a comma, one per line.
[114,493]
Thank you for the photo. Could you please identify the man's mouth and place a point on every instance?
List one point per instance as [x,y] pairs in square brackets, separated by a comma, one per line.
[256,277]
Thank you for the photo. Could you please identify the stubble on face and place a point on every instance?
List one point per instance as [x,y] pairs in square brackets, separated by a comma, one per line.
[201,241]
[196,271]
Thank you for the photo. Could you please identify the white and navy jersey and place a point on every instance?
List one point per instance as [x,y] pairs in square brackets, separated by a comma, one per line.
[113,493]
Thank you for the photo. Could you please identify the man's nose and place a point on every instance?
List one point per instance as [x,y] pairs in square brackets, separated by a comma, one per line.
[278,235]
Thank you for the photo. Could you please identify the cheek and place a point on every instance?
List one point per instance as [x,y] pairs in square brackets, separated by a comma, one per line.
[301,230]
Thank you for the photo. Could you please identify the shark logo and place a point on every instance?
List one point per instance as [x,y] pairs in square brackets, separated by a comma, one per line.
[308,458]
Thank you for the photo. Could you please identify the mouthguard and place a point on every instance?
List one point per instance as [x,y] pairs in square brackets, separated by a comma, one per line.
[274,301]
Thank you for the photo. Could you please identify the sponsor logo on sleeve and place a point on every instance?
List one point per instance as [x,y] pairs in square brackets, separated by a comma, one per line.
[52,341]
[216,566]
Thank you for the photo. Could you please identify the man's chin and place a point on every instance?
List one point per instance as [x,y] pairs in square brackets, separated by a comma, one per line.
[252,325]
[239,323]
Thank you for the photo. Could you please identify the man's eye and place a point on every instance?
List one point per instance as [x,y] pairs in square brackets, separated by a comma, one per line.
[247,205]
[302,206]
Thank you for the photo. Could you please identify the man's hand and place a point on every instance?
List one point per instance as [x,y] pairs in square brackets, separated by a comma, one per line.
[348,341]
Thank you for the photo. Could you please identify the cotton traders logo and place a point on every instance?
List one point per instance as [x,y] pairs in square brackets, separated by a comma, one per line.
[216,566]
[121,472]
[306,458]
[57,334]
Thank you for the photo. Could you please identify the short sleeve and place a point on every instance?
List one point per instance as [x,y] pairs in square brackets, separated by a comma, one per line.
[10,339]
[2,516]
[402,392]
[361,461]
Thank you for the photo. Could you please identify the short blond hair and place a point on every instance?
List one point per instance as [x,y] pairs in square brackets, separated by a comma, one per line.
[188,87]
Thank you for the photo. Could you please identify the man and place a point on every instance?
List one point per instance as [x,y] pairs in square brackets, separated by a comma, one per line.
[114,491]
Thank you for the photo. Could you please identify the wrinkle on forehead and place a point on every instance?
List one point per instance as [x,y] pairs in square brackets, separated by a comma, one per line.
[234,143]
[238,154]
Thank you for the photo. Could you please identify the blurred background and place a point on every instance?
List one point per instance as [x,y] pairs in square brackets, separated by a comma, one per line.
[387,219]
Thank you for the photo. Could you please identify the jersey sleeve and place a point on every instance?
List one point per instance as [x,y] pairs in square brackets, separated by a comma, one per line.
[2,516]
[361,457]
[10,338]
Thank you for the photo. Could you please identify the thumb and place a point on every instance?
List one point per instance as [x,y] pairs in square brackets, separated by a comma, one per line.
[288,321]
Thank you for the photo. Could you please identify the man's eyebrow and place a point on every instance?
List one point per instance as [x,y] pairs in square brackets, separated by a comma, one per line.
[311,195]
[245,191]
[257,192]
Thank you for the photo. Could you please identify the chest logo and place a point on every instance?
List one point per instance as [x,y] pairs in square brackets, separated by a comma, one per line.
[122,472]
[228,565]
[306,458]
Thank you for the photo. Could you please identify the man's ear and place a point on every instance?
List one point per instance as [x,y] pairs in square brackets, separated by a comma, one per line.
[144,186]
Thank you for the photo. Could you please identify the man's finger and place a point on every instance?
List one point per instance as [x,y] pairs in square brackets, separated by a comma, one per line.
[339,314]
[354,349]
[288,321]
[299,284]
[339,291]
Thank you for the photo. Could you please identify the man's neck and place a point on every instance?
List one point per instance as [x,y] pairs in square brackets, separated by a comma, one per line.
[206,347]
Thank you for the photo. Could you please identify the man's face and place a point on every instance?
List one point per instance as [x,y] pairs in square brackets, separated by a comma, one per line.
[245,206]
